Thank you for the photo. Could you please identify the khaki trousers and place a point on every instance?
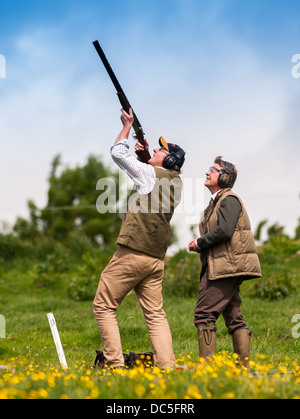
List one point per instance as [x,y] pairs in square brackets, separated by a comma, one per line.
[129,270]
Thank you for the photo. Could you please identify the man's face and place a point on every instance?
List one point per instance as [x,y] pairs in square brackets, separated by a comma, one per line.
[212,176]
[158,157]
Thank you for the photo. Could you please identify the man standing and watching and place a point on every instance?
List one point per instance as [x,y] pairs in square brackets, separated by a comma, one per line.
[143,240]
[228,256]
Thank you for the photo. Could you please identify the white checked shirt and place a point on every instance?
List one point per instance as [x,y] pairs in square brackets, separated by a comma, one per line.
[142,174]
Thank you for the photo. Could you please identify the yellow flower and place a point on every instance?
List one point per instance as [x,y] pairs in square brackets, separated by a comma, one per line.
[43,393]
[95,393]
[282,369]
[140,390]
[194,392]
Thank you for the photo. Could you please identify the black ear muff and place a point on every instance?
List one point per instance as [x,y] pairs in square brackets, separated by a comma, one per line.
[173,159]
[225,177]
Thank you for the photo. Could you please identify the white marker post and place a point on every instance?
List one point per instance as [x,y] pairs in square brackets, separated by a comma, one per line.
[55,334]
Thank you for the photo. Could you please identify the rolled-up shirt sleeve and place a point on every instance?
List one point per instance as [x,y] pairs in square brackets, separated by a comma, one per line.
[142,174]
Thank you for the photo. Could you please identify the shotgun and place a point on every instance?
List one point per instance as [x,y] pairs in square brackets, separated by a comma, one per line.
[143,155]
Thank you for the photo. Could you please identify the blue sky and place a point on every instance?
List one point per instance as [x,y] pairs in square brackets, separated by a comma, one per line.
[212,75]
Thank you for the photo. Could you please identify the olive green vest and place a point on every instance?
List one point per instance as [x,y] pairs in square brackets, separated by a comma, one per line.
[146,226]
[236,257]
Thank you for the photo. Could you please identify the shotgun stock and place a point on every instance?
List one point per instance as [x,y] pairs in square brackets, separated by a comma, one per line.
[143,155]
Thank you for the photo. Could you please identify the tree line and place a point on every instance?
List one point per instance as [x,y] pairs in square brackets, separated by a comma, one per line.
[71,207]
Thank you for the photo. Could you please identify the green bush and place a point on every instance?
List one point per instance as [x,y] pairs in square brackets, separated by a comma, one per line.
[12,247]
[281,246]
[83,288]
[182,275]
[280,261]
[275,287]
[74,267]
[85,277]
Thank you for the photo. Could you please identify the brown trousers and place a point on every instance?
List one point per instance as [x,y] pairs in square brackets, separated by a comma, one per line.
[129,270]
[219,297]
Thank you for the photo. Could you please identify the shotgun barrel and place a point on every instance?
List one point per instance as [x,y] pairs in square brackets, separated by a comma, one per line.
[144,155]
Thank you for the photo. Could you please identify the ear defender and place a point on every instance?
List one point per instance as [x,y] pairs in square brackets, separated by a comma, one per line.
[173,159]
[175,156]
[225,177]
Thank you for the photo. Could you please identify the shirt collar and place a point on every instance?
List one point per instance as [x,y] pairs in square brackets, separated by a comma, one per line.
[213,197]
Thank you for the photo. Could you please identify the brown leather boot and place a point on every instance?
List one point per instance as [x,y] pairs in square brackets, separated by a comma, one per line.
[241,345]
[207,339]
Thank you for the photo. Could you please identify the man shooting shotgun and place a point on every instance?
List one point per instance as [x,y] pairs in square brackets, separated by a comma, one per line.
[143,241]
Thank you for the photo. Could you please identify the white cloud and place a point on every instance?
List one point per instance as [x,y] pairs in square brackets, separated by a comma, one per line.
[47,107]
[213,96]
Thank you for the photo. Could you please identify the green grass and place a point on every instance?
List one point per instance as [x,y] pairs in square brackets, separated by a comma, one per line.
[28,331]
[29,338]
[31,287]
